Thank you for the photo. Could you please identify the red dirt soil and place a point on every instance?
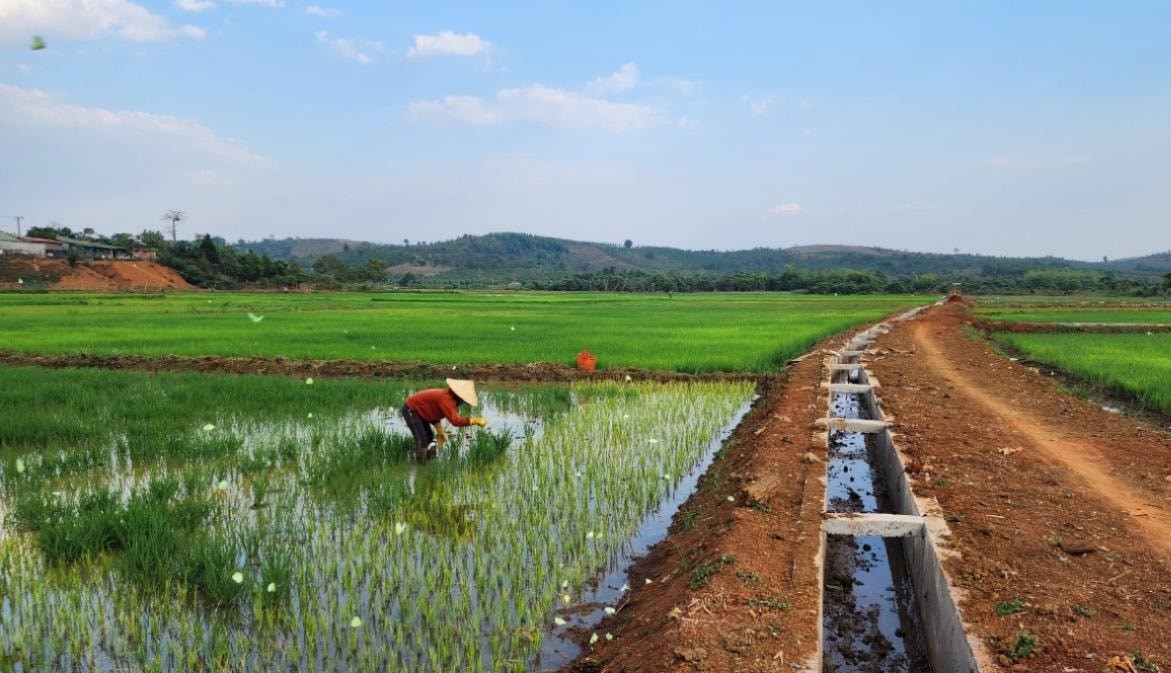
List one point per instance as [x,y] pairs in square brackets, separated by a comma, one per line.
[95,276]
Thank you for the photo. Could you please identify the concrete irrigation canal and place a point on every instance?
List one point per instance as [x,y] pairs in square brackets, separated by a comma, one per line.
[887,605]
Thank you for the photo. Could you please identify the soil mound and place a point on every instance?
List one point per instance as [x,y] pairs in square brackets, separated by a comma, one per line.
[95,276]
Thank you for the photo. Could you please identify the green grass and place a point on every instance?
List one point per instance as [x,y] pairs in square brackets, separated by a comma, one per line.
[1137,364]
[688,333]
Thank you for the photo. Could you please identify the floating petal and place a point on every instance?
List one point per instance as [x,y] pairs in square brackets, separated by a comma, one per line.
[399,528]
[271,587]
[208,428]
[19,466]
[309,381]
[609,610]
[355,622]
[593,638]
[238,577]
[559,621]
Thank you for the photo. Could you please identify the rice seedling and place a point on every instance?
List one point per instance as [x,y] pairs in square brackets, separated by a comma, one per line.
[358,558]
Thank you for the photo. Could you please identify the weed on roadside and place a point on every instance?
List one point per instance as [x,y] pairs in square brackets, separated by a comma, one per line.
[1012,607]
[1026,644]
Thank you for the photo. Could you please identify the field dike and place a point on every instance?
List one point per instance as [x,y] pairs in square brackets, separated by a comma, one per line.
[887,604]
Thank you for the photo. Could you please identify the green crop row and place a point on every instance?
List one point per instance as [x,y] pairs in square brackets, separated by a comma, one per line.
[686,333]
[1138,364]
[210,522]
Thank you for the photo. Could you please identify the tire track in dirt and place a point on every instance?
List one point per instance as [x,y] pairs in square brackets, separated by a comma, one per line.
[1082,458]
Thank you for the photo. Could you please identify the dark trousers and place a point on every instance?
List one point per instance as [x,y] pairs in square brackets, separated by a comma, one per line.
[420,429]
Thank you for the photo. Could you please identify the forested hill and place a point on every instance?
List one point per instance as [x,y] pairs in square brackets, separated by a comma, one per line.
[523,257]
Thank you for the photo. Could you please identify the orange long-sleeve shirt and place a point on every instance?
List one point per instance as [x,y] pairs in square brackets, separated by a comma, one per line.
[436,404]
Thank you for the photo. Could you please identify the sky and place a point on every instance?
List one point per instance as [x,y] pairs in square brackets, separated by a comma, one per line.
[995,127]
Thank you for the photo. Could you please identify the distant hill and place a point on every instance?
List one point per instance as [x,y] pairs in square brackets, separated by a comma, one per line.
[503,256]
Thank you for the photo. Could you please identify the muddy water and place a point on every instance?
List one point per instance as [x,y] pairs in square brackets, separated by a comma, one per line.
[870,622]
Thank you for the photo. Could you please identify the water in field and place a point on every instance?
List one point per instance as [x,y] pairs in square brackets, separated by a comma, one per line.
[318,546]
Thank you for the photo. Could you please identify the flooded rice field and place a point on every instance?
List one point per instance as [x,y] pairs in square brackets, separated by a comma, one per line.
[316,545]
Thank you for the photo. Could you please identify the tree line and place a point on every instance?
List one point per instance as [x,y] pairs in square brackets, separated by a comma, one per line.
[210,262]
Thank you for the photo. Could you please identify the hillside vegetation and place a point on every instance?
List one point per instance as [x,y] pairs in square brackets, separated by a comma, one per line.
[540,262]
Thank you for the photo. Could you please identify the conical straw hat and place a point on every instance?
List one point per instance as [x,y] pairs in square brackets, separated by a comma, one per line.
[465,389]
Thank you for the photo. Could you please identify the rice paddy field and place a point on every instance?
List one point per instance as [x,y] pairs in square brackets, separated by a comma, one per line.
[180,521]
[685,333]
[187,522]
[1136,362]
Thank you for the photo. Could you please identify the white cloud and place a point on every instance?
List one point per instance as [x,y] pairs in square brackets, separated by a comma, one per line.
[465,109]
[685,87]
[538,105]
[759,105]
[193,32]
[263,3]
[448,43]
[32,107]
[624,79]
[357,50]
[84,20]
[326,12]
[195,5]
[786,208]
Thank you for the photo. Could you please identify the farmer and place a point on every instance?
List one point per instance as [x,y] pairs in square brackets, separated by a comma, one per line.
[427,408]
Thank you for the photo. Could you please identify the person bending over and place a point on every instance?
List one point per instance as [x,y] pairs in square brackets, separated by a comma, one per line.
[426,409]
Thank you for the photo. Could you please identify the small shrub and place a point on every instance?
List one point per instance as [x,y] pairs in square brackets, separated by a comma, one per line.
[1012,607]
[1026,644]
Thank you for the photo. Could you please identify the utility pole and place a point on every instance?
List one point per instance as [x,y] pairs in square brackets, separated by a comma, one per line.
[18,218]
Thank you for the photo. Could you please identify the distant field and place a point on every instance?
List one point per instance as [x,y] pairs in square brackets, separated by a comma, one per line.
[687,333]
[1047,309]
[1139,363]
[1145,316]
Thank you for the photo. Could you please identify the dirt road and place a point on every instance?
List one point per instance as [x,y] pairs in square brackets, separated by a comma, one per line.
[1039,433]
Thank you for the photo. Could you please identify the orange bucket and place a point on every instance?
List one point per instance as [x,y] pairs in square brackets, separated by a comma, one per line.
[586,361]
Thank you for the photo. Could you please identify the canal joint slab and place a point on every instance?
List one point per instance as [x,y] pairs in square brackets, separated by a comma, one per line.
[872,524]
[849,388]
[863,425]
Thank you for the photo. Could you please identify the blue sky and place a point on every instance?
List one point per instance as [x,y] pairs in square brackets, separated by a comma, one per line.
[1004,128]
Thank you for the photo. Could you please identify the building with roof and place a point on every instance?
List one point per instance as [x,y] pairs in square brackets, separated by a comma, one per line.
[30,247]
[92,250]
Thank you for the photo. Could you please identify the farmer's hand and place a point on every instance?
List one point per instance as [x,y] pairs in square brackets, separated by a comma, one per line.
[440,435]
[478,420]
